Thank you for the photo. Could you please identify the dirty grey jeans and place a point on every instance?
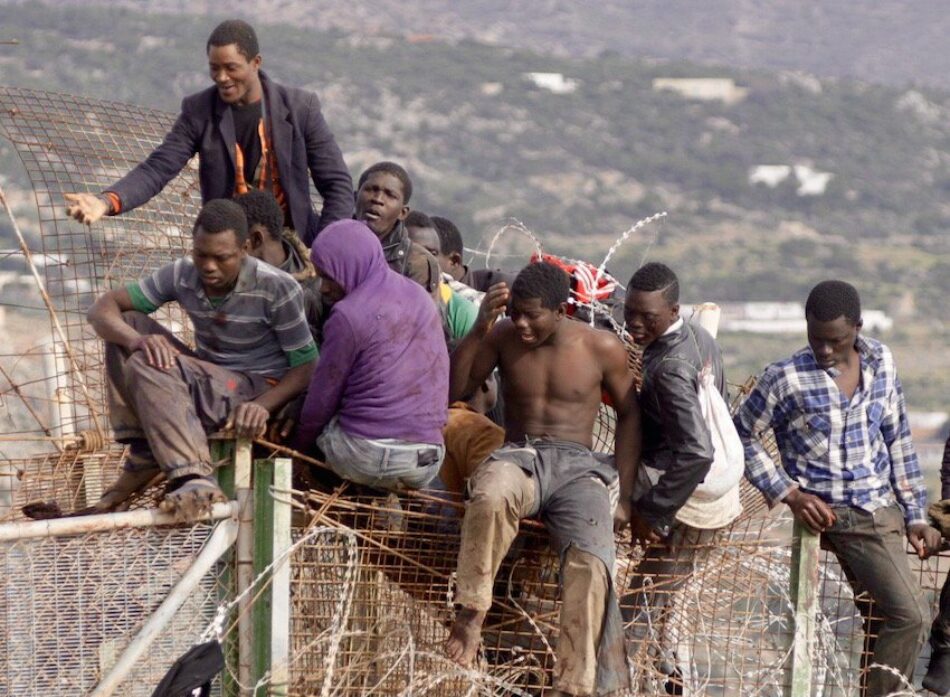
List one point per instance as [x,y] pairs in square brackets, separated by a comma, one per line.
[872,551]
[385,463]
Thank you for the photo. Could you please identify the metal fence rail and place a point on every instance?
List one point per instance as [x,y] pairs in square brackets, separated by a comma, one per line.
[70,605]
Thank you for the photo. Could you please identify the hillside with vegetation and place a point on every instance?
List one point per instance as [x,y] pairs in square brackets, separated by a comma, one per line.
[485,144]
[899,42]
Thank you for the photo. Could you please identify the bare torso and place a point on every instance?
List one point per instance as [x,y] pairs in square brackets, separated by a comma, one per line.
[552,390]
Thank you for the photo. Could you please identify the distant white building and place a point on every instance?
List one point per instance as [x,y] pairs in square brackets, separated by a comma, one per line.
[811,182]
[553,82]
[703,88]
[784,318]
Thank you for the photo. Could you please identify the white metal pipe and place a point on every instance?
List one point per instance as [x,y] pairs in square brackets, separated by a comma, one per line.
[280,583]
[145,518]
[245,558]
[220,541]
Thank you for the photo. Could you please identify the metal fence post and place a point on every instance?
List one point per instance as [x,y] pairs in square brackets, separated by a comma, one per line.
[804,594]
[271,610]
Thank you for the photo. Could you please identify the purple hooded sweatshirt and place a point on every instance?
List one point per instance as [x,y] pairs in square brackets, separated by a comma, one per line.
[383,366]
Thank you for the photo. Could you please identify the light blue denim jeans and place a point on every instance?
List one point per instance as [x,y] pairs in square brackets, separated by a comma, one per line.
[385,463]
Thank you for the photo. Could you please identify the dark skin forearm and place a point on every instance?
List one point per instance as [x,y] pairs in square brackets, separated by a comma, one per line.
[249,419]
[627,443]
[462,361]
[105,318]
[475,356]
[295,381]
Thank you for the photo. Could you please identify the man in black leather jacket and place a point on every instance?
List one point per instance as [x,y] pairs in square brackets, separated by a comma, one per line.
[677,455]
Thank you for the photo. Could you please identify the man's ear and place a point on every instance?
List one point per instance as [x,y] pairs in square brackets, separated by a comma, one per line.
[858,325]
[675,310]
[403,213]
[257,61]
[255,240]
[562,310]
[455,258]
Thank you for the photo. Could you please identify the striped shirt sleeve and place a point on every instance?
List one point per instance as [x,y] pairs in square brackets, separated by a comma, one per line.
[290,325]
[151,292]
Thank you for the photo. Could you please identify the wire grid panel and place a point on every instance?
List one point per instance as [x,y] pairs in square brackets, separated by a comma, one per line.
[74,144]
[70,605]
[716,608]
[731,622]
[842,640]
[69,478]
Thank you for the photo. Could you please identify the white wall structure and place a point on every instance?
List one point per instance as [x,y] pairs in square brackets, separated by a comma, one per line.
[703,88]
[553,82]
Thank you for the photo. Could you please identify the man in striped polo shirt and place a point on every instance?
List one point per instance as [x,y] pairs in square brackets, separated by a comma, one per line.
[254,353]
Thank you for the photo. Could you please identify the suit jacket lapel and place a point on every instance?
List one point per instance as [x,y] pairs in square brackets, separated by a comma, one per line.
[226,126]
[280,127]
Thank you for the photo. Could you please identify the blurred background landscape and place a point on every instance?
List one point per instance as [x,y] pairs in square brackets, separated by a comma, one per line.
[788,141]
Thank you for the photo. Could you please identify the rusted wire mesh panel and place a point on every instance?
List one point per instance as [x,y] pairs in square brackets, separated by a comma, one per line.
[70,605]
[73,144]
[844,645]
[72,478]
[731,622]
[69,478]
[372,614]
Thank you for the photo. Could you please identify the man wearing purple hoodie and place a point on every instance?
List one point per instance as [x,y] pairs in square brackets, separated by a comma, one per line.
[378,399]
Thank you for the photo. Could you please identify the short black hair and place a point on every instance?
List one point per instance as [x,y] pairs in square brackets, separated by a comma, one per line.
[544,281]
[392,168]
[450,239]
[220,215]
[261,208]
[830,300]
[418,219]
[656,276]
[235,31]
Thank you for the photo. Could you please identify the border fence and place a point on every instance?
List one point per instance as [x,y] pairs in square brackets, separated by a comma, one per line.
[328,589]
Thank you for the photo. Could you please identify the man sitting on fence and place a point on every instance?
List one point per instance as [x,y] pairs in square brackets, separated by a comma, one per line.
[379,396]
[269,241]
[849,471]
[451,253]
[382,202]
[677,528]
[459,311]
[254,354]
[553,373]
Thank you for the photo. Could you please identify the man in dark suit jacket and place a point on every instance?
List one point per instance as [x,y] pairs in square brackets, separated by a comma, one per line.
[250,133]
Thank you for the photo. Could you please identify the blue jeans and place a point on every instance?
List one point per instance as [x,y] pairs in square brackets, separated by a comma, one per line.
[385,463]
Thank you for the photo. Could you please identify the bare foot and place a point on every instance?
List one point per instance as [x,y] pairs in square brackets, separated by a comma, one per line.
[116,497]
[192,499]
[466,635]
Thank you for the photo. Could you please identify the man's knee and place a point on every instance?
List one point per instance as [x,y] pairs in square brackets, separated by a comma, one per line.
[498,484]
[583,570]
[911,615]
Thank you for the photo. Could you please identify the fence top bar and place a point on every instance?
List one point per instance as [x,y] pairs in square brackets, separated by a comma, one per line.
[57,527]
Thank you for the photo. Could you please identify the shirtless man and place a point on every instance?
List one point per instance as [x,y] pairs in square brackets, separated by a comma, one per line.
[553,372]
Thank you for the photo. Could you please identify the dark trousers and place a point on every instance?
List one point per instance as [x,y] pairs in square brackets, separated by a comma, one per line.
[940,630]
[173,409]
[872,551]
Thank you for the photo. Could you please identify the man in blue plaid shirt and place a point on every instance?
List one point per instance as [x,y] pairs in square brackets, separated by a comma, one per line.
[848,470]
